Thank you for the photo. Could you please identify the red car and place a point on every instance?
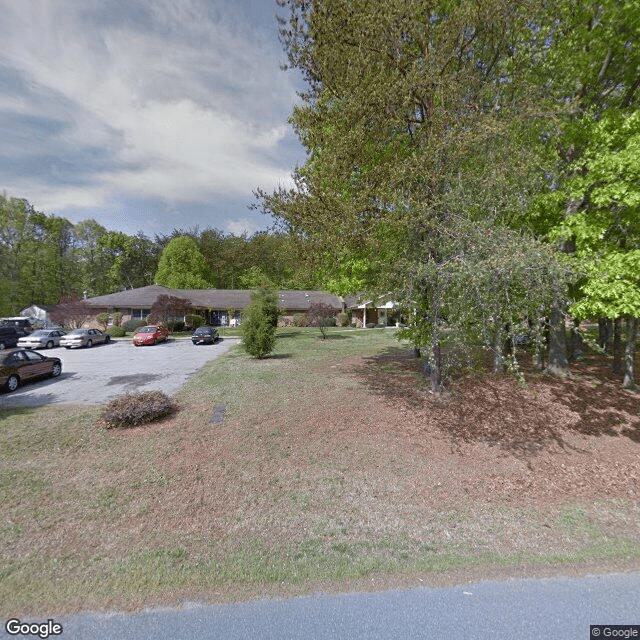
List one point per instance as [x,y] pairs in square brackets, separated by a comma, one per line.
[151,334]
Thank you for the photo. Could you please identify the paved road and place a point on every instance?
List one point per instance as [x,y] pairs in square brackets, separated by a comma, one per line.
[95,375]
[559,608]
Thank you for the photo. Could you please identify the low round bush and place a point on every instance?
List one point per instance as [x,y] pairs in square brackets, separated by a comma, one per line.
[133,409]
[300,320]
[371,325]
[131,325]
[116,332]
[194,321]
[343,319]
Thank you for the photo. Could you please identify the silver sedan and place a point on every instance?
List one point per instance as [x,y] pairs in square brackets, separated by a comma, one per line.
[84,338]
[41,339]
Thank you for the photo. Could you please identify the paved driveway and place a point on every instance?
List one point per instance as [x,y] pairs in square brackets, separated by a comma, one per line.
[98,374]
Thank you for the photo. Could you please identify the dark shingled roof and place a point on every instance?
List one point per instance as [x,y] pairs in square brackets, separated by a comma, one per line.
[219,299]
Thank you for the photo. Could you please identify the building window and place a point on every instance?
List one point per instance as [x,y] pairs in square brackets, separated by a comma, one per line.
[140,314]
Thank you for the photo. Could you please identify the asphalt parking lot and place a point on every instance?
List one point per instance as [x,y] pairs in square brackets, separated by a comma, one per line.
[98,374]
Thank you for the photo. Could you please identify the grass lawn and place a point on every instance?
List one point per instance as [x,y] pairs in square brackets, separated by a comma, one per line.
[327,465]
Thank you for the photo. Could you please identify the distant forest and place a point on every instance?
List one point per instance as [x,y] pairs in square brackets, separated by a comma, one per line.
[45,258]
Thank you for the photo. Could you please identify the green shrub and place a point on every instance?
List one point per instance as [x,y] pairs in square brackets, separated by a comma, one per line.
[117,318]
[134,409]
[103,319]
[371,325]
[343,319]
[300,320]
[194,321]
[259,324]
[115,331]
[176,325]
[131,325]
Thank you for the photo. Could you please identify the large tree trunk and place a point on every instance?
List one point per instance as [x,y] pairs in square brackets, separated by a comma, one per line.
[605,329]
[616,366]
[628,381]
[557,359]
[577,344]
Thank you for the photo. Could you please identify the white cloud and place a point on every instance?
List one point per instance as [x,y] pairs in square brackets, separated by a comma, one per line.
[241,225]
[188,102]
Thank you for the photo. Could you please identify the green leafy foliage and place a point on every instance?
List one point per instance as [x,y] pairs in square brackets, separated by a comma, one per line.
[193,321]
[259,324]
[131,325]
[103,319]
[182,265]
[604,230]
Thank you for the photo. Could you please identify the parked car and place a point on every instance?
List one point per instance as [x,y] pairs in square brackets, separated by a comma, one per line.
[151,334]
[41,339]
[21,364]
[8,337]
[204,335]
[84,338]
[22,325]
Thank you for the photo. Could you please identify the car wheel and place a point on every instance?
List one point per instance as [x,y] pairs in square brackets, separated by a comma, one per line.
[89,343]
[49,345]
[13,383]
[56,371]
[1,346]
[107,340]
[67,347]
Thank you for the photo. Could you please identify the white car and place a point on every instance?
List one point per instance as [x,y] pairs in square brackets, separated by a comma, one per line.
[41,339]
[84,338]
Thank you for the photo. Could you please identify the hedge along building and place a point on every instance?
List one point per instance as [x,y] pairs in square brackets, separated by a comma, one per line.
[216,306]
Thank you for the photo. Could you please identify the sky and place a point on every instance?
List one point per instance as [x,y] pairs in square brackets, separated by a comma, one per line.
[145,115]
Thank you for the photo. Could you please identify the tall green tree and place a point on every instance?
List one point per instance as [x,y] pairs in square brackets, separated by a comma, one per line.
[133,259]
[604,230]
[182,266]
[421,118]
[259,322]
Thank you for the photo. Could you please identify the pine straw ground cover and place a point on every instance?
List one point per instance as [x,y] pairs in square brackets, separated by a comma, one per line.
[333,467]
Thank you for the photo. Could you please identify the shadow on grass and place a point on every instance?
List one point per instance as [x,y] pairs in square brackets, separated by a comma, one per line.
[495,409]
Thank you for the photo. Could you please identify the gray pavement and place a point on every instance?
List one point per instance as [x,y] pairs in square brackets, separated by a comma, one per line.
[98,374]
[559,608]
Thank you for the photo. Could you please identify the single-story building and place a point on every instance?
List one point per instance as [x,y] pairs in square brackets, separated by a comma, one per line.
[37,315]
[382,311]
[216,306]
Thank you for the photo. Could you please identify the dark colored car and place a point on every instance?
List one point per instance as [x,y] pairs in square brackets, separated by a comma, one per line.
[204,335]
[151,334]
[8,337]
[23,364]
[22,326]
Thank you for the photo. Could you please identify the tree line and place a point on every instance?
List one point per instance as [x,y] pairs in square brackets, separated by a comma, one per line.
[46,259]
[480,159]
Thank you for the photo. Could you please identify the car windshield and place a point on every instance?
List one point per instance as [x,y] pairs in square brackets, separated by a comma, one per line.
[203,330]
[148,330]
